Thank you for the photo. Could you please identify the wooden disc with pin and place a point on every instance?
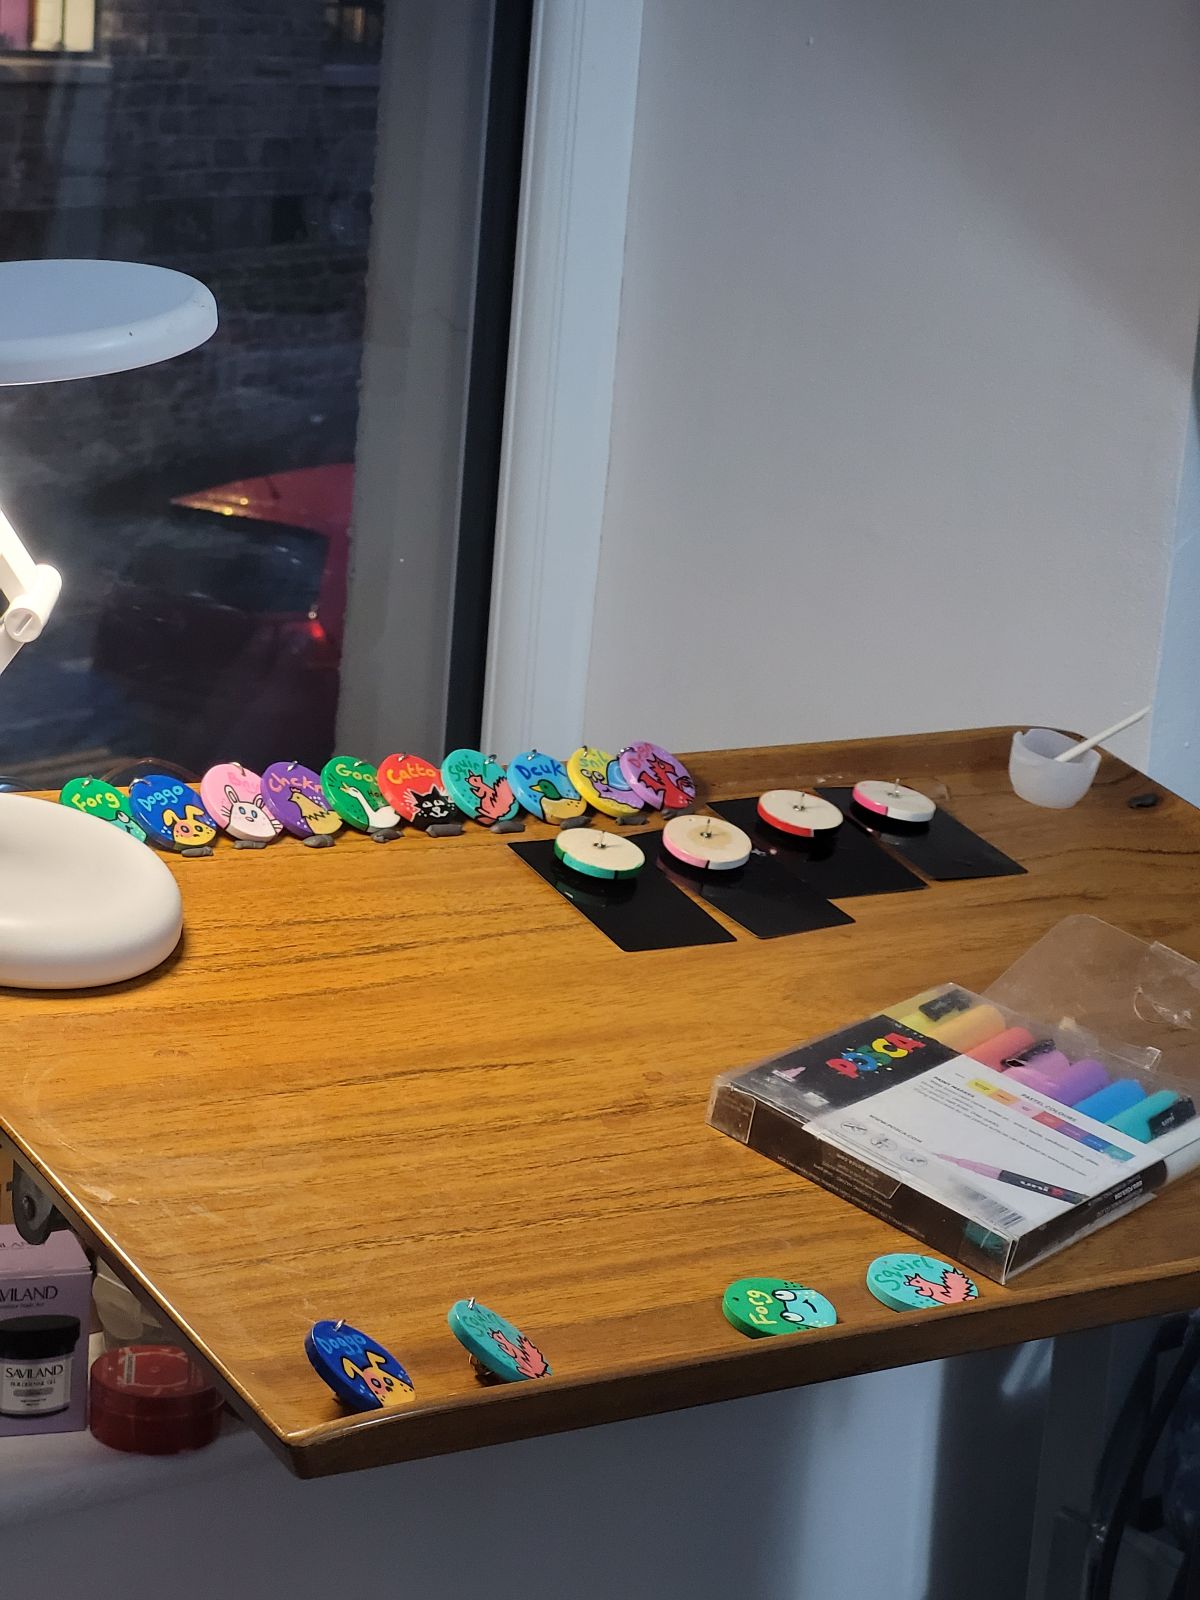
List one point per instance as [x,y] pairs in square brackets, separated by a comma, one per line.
[598,854]
[797,812]
[894,801]
[707,843]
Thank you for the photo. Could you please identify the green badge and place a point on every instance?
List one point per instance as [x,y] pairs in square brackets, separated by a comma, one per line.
[915,1282]
[352,789]
[761,1306]
[98,799]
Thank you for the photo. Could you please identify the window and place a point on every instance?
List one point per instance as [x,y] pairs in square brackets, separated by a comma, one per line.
[354,29]
[56,27]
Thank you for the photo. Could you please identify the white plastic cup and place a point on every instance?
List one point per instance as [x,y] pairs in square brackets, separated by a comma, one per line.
[1038,778]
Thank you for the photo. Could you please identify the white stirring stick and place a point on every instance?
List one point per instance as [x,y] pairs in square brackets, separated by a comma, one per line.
[1085,745]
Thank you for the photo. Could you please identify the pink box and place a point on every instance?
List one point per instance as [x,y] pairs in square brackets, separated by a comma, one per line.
[45,1312]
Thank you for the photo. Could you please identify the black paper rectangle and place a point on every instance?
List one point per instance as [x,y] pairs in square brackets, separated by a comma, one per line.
[839,865]
[643,913]
[944,849]
[763,897]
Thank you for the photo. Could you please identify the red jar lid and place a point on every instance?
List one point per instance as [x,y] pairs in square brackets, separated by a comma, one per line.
[154,1400]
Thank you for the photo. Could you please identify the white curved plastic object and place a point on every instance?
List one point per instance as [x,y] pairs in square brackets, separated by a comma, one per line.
[81,319]
[1037,774]
[81,903]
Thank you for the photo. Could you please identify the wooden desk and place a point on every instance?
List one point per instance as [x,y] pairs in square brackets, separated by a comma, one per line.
[376,1079]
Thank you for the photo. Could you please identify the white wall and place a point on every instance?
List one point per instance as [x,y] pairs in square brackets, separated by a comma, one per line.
[908,313]
[1175,747]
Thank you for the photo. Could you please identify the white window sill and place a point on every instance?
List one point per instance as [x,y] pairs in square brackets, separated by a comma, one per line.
[53,69]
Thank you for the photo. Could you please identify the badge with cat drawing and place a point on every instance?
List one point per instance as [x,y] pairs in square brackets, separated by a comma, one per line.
[232,794]
[352,788]
[171,812]
[543,786]
[479,785]
[414,787]
[293,794]
[598,777]
[96,798]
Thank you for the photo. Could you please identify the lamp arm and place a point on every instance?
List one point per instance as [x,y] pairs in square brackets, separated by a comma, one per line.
[31,590]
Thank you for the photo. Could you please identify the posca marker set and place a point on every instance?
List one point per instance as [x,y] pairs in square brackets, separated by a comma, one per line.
[995,1126]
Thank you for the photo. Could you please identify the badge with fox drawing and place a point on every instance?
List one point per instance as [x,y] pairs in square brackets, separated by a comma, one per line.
[479,785]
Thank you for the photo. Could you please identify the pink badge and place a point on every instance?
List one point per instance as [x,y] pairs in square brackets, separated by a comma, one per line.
[234,796]
[657,777]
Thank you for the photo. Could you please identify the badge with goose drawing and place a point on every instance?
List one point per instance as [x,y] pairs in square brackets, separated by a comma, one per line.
[352,788]
[95,798]
[598,777]
[543,786]
[171,812]
[295,797]
[232,794]
[479,785]
[414,787]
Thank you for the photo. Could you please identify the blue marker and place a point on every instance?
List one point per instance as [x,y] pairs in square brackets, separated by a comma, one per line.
[1114,1098]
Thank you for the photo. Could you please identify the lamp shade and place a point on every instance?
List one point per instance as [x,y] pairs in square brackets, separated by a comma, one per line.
[79,319]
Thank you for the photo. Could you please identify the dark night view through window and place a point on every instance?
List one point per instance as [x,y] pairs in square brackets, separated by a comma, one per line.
[198,510]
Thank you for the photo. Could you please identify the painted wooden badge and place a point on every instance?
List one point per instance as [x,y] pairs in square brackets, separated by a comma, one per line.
[413,786]
[893,801]
[95,798]
[233,795]
[363,1373]
[598,854]
[501,1350]
[352,788]
[479,785]
[543,786]
[907,1282]
[709,843]
[171,812]
[599,779]
[293,795]
[656,777]
[759,1307]
[797,812]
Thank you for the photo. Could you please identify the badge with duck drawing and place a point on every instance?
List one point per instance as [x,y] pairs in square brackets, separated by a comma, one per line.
[233,795]
[414,787]
[479,785]
[598,777]
[171,812]
[352,788]
[295,798]
[95,798]
[543,786]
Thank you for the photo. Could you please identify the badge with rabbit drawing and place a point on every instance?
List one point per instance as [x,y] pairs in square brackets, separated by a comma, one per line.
[171,812]
[414,787]
[352,788]
[498,1350]
[363,1373]
[234,796]
[295,798]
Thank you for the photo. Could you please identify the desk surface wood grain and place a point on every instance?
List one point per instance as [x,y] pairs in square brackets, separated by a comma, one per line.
[376,1079]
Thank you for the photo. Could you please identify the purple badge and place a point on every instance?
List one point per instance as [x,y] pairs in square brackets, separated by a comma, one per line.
[295,797]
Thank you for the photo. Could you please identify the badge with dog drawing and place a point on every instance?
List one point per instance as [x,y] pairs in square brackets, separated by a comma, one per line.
[543,786]
[759,1307]
[363,1373]
[352,788]
[171,812]
[232,794]
[598,777]
[479,785]
[292,793]
[95,798]
[906,1282]
[414,787]
[506,1352]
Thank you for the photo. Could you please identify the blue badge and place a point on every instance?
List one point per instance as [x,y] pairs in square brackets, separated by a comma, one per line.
[362,1373]
[171,811]
[505,1351]
[543,786]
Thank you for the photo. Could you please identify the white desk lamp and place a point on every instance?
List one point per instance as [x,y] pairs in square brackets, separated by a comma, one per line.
[81,903]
